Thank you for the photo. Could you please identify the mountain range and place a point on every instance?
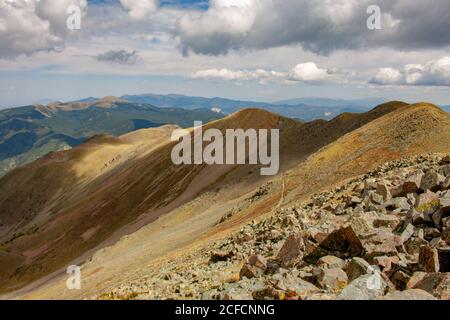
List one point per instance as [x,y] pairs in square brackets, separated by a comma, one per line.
[29,132]
[305,109]
[119,206]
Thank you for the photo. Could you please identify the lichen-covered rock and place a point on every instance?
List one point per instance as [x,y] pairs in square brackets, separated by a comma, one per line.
[427,202]
[364,288]
[334,280]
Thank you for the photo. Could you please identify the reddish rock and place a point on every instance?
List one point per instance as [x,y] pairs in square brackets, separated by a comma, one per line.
[437,284]
[415,279]
[357,267]
[431,181]
[331,262]
[384,243]
[255,266]
[386,262]
[292,250]
[387,221]
[428,259]
[342,243]
[412,182]
[258,261]
[317,235]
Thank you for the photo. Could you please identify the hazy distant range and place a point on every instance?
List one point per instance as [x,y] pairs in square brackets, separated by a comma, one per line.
[306,109]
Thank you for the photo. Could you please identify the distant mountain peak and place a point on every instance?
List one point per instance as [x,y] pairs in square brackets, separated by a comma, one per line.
[105,102]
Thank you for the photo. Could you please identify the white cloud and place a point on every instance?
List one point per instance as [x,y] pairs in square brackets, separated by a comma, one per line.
[304,72]
[139,9]
[387,76]
[239,75]
[432,73]
[308,72]
[28,26]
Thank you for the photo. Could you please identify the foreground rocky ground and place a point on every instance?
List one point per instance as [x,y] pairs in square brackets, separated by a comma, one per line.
[385,235]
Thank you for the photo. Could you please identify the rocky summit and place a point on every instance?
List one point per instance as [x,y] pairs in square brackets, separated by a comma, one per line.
[384,235]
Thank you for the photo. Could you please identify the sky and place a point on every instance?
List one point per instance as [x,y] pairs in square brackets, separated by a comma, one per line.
[264,50]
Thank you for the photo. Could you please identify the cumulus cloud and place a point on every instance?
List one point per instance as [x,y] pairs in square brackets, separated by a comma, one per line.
[227,74]
[139,9]
[387,76]
[122,57]
[308,72]
[28,26]
[304,72]
[321,26]
[432,73]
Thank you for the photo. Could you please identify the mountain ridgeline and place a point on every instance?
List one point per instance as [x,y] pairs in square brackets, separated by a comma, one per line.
[27,133]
